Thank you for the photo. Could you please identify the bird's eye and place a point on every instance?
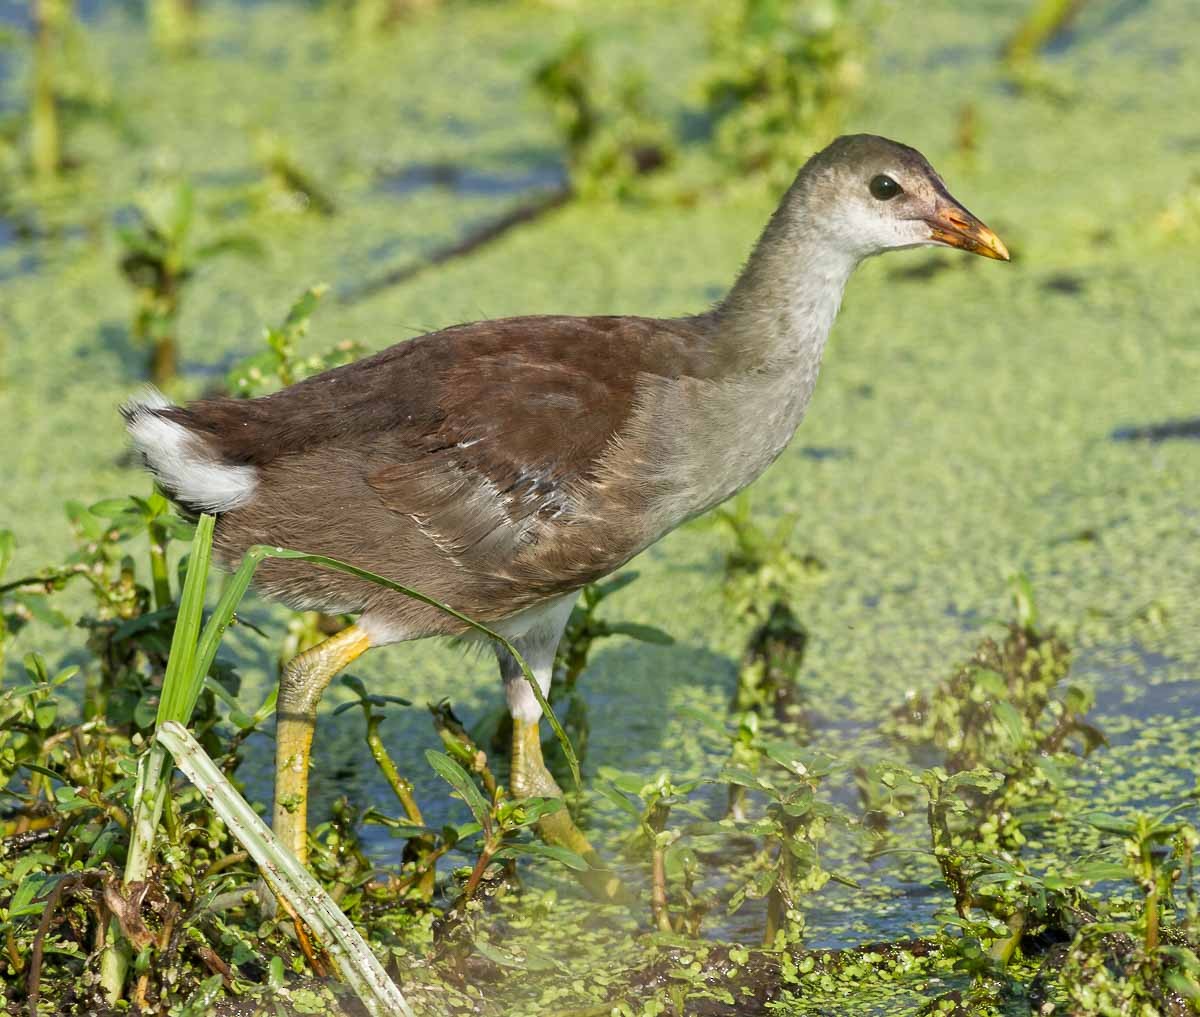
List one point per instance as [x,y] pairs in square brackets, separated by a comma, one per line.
[884,187]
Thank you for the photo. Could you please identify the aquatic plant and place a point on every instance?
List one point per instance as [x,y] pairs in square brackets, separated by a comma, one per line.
[1044,20]
[760,568]
[792,828]
[762,575]
[173,25]
[288,185]
[780,76]
[280,364]
[50,18]
[161,255]
[650,804]
[67,88]
[1007,753]
[609,134]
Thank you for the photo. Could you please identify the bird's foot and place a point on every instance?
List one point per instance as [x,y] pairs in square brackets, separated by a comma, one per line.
[531,779]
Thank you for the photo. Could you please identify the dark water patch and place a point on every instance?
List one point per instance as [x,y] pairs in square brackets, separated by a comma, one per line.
[1072,33]
[1065,283]
[820,453]
[27,263]
[1167,430]
[464,180]
[114,340]
[1183,143]
[1124,689]
[19,16]
[953,56]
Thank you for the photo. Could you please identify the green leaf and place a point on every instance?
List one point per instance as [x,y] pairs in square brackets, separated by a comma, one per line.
[44,714]
[1026,606]
[244,244]
[110,508]
[761,883]
[1098,872]
[178,528]
[29,862]
[461,781]
[24,901]
[36,768]
[744,778]
[299,313]
[980,779]
[355,685]
[560,854]
[1106,823]
[614,584]
[498,956]
[642,633]
[797,761]
[182,208]
[1186,986]
[619,800]
[991,684]
[181,684]
[39,607]
[527,811]
[65,675]
[1010,720]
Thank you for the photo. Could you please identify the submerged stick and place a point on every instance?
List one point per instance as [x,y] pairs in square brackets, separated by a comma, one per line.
[473,241]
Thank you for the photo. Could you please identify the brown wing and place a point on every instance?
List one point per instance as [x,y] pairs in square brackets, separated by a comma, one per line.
[482,438]
[524,416]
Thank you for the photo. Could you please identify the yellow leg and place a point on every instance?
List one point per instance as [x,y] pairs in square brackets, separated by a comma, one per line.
[304,679]
[529,778]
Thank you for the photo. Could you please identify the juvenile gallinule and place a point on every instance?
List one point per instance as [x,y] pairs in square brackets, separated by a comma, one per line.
[502,465]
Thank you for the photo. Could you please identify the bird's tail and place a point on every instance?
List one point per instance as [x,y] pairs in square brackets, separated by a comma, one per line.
[182,461]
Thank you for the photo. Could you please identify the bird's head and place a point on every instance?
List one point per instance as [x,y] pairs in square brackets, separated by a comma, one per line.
[873,195]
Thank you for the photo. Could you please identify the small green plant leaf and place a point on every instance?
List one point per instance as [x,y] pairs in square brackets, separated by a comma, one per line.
[461,781]
[642,633]
[559,854]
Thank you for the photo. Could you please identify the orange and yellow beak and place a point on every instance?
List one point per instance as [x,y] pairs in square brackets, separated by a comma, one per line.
[954,226]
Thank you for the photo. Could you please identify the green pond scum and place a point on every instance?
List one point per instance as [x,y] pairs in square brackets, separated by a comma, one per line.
[909,729]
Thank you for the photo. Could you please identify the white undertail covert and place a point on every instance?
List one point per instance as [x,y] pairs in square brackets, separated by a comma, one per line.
[182,462]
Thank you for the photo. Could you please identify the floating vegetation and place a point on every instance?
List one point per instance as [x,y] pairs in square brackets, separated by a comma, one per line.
[1004,741]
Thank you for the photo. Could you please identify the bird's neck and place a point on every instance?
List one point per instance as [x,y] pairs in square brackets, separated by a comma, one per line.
[777,316]
[768,336]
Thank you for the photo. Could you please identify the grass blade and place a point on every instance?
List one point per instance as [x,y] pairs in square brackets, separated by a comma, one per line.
[178,694]
[287,876]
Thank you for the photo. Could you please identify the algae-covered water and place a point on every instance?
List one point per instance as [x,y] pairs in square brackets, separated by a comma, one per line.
[972,405]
